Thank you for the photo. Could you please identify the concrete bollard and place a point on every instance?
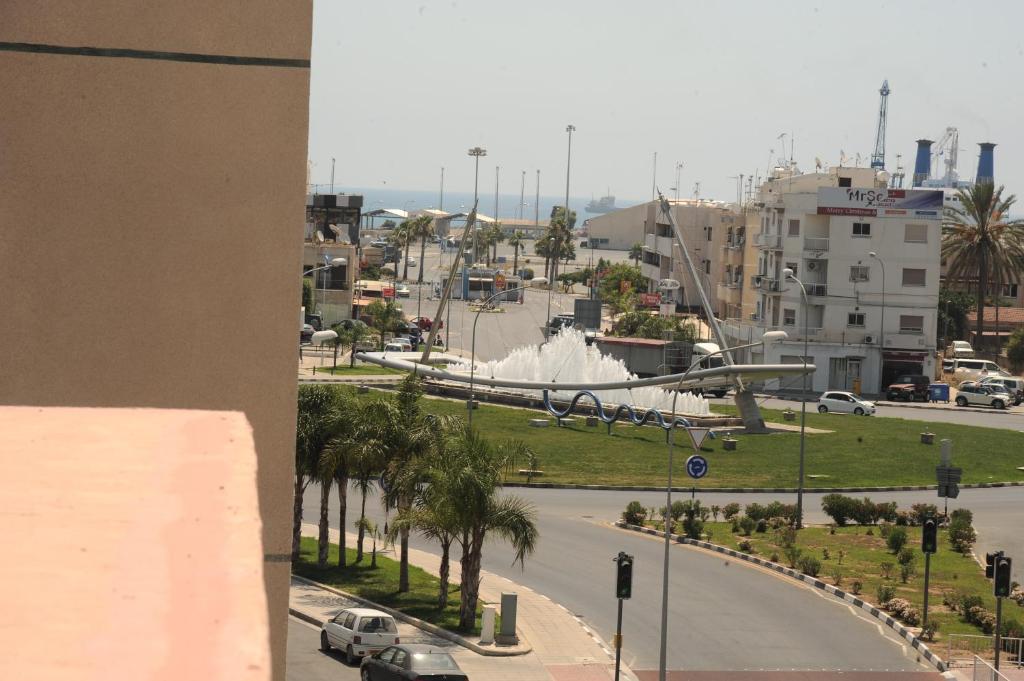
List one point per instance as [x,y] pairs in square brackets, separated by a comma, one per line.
[507,636]
[487,625]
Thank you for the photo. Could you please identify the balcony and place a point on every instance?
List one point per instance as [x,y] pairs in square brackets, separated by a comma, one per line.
[816,289]
[767,284]
[816,244]
[735,242]
[772,241]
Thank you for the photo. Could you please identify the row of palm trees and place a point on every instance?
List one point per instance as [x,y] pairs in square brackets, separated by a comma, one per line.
[442,477]
[981,246]
[556,244]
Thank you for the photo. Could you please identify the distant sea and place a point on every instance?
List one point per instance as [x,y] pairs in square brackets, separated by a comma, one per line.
[508,204]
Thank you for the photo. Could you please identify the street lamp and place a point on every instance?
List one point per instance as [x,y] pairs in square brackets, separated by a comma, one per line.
[881,330]
[476,152]
[557,240]
[768,337]
[472,351]
[787,273]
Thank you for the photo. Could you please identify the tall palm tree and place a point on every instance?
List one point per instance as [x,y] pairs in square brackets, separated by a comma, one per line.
[403,237]
[561,232]
[980,243]
[315,425]
[332,467]
[515,241]
[495,236]
[636,251]
[368,447]
[542,246]
[422,227]
[356,335]
[386,316]
[475,473]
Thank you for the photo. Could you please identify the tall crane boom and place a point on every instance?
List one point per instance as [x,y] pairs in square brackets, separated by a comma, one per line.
[878,158]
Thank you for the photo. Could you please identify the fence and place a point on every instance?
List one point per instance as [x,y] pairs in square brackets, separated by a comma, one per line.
[962,649]
[983,671]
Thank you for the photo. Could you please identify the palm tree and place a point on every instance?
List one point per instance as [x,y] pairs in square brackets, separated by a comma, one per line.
[979,242]
[561,233]
[474,473]
[515,241]
[368,442]
[402,237]
[315,424]
[636,251]
[386,316]
[422,227]
[494,236]
[356,335]
[332,467]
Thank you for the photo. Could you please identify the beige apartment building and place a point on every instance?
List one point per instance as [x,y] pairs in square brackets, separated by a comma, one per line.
[178,131]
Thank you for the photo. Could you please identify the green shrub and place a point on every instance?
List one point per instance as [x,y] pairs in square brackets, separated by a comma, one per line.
[747,525]
[837,576]
[809,565]
[918,512]
[774,557]
[693,527]
[962,536]
[784,537]
[856,587]
[756,511]
[902,518]
[906,556]
[885,593]
[792,553]
[746,546]
[885,529]
[885,569]
[929,630]
[762,526]
[886,511]
[730,511]
[962,514]
[825,553]
[837,507]
[907,571]
[715,510]
[635,513]
[966,602]
[897,539]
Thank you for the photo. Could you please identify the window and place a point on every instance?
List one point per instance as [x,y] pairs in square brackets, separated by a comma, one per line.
[792,266]
[845,182]
[788,317]
[860,273]
[794,228]
[911,323]
[862,229]
[350,621]
[388,654]
[855,319]
[707,267]
[913,277]
[915,234]
[400,658]
[1010,290]
[708,229]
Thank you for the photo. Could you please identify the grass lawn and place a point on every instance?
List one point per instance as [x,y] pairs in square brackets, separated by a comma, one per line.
[861,451]
[864,553]
[358,370]
[380,584]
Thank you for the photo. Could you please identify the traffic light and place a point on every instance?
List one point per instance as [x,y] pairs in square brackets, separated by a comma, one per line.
[929,535]
[1001,586]
[990,564]
[624,576]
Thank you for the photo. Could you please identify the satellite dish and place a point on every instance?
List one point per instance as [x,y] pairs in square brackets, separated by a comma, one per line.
[668,284]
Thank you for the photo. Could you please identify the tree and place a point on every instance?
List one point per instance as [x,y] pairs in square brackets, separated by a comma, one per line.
[561,238]
[333,466]
[611,282]
[386,317]
[542,247]
[400,238]
[308,299]
[1015,349]
[422,227]
[515,241]
[952,317]
[368,444]
[493,235]
[981,243]
[356,335]
[641,324]
[474,473]
[636,251]
[315,425]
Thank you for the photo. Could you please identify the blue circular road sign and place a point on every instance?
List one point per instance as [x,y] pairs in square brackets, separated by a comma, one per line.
[697,466]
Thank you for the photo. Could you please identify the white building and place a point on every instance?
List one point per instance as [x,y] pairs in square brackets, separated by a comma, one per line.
[868,318]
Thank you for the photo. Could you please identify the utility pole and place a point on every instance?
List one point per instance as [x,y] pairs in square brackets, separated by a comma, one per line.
[440,200]
[476,153]
[522,196]
[536,205]
[623,590]
[654,177]
[332,174]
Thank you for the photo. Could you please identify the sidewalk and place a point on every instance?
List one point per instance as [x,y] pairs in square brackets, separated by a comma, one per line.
[563,649]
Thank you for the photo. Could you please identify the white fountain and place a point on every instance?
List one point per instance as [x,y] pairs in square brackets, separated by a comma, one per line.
[567,358]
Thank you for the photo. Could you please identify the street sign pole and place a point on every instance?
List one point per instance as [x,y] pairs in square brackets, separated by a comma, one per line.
[927,572]
[623,590]
[618,641]
[999,625]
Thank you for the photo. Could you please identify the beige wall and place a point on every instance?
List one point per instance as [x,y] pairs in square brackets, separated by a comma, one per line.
[187,186]
[622,228]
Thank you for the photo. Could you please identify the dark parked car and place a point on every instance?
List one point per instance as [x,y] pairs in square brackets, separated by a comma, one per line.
[306,334]
[909,387]
[415,661]
[315,320]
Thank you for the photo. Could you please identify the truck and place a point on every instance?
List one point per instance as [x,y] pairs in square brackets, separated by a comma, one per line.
[708,356]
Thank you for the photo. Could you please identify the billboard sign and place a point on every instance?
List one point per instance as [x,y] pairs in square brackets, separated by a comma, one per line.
[863,202]
[650,299]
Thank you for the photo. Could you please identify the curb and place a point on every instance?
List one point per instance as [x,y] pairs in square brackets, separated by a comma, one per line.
[409,619]
[757,490]
[876,612]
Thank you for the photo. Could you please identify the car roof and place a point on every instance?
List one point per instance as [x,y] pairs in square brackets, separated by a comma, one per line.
[840,392]
[421,648]
[367,612]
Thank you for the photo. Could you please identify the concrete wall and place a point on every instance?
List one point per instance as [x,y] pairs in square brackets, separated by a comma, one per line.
[187,182]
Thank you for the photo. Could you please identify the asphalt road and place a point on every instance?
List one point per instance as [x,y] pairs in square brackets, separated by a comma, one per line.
[305,662]
[722,615]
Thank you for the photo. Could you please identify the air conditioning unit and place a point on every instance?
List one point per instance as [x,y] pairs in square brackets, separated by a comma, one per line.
[812,265]
[869,339]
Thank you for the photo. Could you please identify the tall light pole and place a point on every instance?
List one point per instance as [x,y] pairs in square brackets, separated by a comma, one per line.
[881,330]
[787,273]
[440,200]
[497,176]
[654,177]
[679,169]
[332,174]
[522,195]
[472,351]
[476,152]
[768,337]
[558,241]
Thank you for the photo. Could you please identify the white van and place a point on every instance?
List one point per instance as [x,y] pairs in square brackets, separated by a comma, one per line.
[704,355]
[976,369]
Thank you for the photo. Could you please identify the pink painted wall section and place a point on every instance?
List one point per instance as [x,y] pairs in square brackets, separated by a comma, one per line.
[131,546]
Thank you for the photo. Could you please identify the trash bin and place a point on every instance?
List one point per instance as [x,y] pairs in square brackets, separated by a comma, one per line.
[939,392]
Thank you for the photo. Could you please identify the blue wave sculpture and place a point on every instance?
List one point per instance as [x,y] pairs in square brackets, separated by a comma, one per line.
[652,415]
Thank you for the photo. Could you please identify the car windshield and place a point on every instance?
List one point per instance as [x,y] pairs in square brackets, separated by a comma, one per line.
[377,625]
[433,661]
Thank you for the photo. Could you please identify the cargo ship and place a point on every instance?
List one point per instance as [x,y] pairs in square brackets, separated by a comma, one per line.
[605,204]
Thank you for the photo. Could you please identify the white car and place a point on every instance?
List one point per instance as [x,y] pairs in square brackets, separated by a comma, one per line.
[845,403]
[398,345]
[402,291]
[410,261]
[960,350]
[975,394]
[359,632]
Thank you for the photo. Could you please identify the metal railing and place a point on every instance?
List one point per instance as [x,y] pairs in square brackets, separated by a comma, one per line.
[816,289]
[770,285]
[964,650]
[815,243]
[983,671]
[769,240]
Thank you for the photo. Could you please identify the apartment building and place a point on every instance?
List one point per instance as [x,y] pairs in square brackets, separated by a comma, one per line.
[867,317]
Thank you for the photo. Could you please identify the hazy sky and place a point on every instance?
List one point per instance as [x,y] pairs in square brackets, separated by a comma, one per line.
[400,89]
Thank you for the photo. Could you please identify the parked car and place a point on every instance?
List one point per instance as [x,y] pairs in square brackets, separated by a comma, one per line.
[402,291]
[974,394]
[845,403]
[359,632]
[976,369]
[559,321]
[960,350]
[419,661]
[306,333]
[315,320]
[393,346]
[1013,384]
[947,366]
[410,261]
[909,387]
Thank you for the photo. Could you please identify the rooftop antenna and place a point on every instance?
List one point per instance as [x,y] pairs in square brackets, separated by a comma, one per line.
[897,177]
[878,158]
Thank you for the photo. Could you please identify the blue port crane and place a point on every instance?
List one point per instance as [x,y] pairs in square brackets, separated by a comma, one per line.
[878,158]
